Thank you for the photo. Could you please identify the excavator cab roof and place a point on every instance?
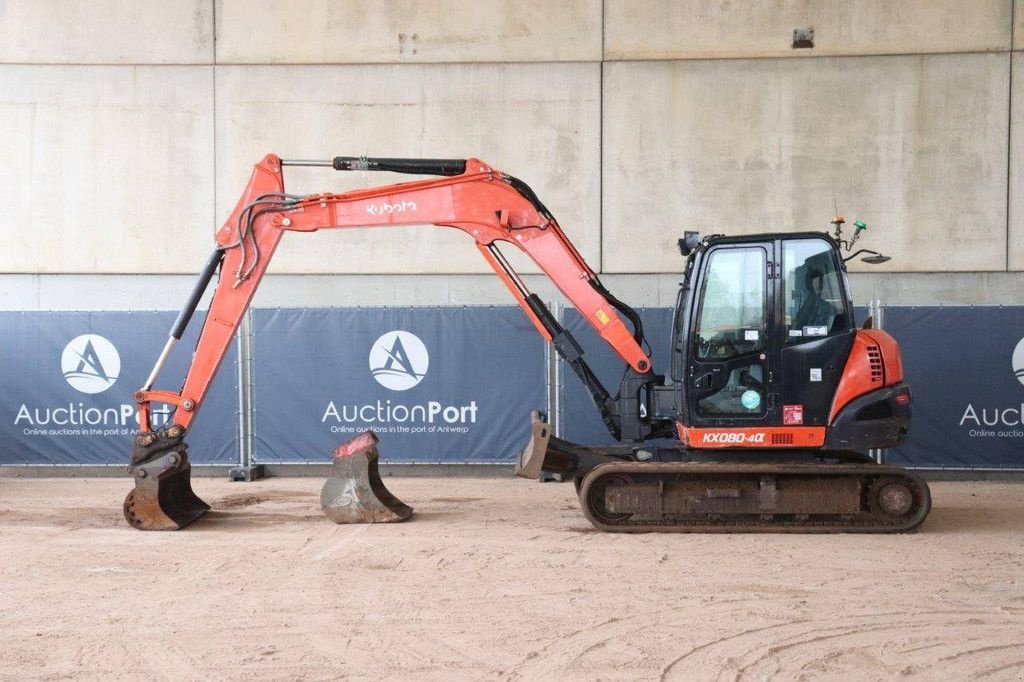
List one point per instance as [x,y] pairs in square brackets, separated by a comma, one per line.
[713,239]
[693,244]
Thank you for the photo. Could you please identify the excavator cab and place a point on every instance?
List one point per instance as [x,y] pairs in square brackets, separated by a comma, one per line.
[762,322]
[766,351]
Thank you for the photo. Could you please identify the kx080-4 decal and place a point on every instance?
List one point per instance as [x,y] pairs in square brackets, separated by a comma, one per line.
[734,438]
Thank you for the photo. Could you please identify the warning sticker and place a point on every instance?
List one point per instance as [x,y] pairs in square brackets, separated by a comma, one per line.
[792,415]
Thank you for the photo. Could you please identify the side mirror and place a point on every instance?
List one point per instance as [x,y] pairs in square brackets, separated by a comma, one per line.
[689,242]
[874,259]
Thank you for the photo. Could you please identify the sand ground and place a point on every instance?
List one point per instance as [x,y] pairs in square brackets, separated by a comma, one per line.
[495,579]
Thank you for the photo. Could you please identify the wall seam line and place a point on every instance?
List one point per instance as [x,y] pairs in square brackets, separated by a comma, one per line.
[1009,134]
[213,223]
[528,61]
[787,58]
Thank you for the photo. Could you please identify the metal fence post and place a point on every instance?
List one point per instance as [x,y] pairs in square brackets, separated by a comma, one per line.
[553,385]
[549,382]
[246,470]
[879,307]
[556,379]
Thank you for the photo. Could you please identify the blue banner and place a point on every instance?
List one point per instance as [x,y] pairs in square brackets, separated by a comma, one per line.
[965,367]
[69,380]
[441,384]
[436,384]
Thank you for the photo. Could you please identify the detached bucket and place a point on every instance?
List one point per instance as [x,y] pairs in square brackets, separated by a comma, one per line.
[354,493]
[162,498]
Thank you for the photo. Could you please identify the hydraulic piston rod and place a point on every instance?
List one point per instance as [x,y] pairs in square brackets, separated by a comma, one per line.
[181,322]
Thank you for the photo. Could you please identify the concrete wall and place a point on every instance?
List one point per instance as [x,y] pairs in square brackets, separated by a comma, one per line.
[407,31]
[543,118]
[717,29]
[914,145]
[128,130]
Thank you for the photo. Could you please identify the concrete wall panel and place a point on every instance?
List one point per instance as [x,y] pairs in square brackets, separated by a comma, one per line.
[106,32]
[371,31]
[1015,248]
[916,146]
[687,29]
[106,169]
[539,122]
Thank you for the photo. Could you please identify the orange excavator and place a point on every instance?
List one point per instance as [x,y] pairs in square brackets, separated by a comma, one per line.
[772,400]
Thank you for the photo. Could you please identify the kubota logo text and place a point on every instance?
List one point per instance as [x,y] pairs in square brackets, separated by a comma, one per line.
[399,360]
[90,363]
[387,209]
[733,438]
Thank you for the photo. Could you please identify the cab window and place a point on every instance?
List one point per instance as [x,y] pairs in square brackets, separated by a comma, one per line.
[732,311]
[731,328]
[815,303]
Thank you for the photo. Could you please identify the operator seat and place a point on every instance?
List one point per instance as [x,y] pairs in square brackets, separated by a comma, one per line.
[815,311]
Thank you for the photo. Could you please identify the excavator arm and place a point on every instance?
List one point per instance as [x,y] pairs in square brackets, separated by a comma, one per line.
[490,206]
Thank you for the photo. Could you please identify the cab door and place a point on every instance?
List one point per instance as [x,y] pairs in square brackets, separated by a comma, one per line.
[816,332]
[730,378]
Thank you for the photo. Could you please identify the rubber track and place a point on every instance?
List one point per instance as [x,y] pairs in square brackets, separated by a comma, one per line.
[866,521]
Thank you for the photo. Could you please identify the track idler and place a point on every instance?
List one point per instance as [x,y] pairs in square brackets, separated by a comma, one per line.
[162,498]
[354,493]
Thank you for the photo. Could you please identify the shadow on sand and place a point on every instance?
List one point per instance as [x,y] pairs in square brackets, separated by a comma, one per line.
[980,518]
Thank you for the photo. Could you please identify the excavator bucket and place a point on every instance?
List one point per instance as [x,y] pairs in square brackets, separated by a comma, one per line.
[354,492]
[549,454]
[162,498]
[531,459]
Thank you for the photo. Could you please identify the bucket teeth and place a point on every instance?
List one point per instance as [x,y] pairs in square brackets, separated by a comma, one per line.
[354,493]
[163,498]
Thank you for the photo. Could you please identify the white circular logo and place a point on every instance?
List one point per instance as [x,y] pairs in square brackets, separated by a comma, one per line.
[90,363]
[1018,361]
[399,360]
[750,399]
